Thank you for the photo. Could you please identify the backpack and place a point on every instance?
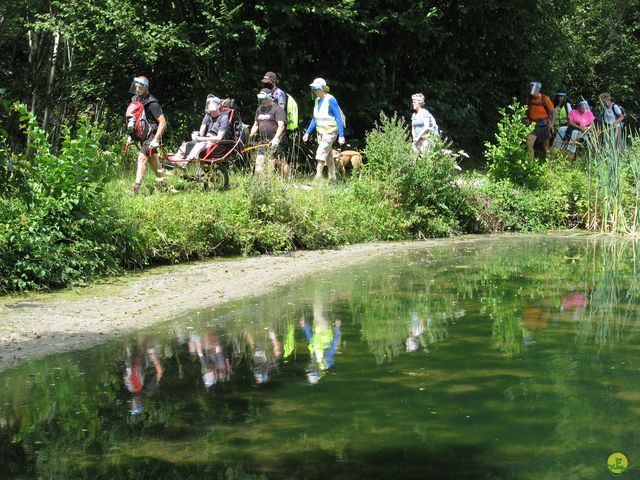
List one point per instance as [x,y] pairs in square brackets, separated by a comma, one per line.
[292,113]
[432,122]
[137,124]
[543,98]
[613,109]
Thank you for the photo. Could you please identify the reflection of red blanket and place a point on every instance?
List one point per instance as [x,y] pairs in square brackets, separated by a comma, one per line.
[577,301]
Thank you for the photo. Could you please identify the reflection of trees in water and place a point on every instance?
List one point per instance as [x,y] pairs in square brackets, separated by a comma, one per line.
[615,289]
[523,292]
[396,310]
[76,403]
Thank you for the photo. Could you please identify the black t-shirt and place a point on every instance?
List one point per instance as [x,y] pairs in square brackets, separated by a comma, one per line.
[268,118]
[152,108]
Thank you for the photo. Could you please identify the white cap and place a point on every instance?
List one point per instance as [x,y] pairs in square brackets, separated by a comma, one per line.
[319,83]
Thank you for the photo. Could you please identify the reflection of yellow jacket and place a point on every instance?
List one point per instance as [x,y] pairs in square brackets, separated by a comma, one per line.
[320,342]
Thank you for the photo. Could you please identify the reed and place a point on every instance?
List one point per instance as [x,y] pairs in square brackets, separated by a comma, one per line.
[608,167]
[633,153]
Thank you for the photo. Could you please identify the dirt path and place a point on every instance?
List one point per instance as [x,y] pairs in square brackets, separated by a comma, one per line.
[37,325]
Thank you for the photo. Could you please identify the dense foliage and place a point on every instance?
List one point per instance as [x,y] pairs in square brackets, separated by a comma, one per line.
[507,157]
[64,58]
[56,225]
[65,216]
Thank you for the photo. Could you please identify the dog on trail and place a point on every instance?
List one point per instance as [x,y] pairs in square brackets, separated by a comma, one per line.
[346,158]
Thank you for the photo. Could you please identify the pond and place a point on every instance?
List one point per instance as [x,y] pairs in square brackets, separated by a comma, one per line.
[508,357]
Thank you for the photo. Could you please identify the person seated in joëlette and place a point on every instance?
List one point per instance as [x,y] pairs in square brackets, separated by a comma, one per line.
[213,128]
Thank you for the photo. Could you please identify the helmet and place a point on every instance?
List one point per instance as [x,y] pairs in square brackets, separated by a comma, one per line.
[138,85]
[264,94]
[209,379]
[535,87]
[213,103]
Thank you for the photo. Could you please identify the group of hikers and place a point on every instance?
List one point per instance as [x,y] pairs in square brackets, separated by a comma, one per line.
[568,126]
[556,122]
[146,123]
[276,114]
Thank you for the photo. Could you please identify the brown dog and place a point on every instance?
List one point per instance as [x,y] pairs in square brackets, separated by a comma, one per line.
[346,158]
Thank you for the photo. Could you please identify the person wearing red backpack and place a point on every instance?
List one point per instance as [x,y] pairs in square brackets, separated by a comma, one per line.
[149,131]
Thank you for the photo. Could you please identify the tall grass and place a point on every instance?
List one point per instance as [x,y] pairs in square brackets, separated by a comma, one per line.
[614,172]
[633,154]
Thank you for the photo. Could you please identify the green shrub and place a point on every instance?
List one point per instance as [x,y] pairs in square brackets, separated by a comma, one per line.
[508,159]
[62,220]
[57,226]
[422,185]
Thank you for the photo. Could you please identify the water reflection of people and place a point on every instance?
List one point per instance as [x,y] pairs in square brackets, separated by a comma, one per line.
[416,329]
[536,317]
[323,343]
[576,302]
[265,355]
[215,365]
[143,372]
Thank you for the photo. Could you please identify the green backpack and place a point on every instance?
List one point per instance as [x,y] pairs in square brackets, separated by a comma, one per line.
[292,113]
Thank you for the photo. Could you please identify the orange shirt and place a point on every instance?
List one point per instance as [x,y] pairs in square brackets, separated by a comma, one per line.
[537,110]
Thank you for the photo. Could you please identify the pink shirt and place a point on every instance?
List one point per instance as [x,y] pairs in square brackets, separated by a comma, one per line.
[583,119]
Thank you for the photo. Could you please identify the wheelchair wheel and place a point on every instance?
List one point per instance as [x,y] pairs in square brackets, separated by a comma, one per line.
[210,176]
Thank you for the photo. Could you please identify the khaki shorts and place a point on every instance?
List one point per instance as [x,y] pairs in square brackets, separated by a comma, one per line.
[325,143]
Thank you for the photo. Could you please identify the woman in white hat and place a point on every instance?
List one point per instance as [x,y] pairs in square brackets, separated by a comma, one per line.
[328,122]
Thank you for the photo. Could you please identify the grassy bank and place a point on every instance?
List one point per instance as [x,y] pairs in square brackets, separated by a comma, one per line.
[64,216]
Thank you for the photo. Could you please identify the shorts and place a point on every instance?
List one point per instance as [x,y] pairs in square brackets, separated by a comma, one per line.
[144,148]
[325,144]
[542,132]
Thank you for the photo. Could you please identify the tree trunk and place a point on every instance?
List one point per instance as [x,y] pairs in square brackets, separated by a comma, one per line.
[52,70]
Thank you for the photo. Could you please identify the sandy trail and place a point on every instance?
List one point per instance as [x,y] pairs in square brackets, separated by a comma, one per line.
[36,325]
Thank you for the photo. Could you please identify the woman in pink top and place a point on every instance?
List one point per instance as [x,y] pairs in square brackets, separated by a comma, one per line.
[580,119]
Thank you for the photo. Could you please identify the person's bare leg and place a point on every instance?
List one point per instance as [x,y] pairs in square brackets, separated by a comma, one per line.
[545,147]
[154,161]
[259,165]
[531,140]
[331,167]
[142,168]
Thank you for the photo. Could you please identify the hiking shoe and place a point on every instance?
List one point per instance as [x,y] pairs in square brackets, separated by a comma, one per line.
[133,190]
[162,184]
